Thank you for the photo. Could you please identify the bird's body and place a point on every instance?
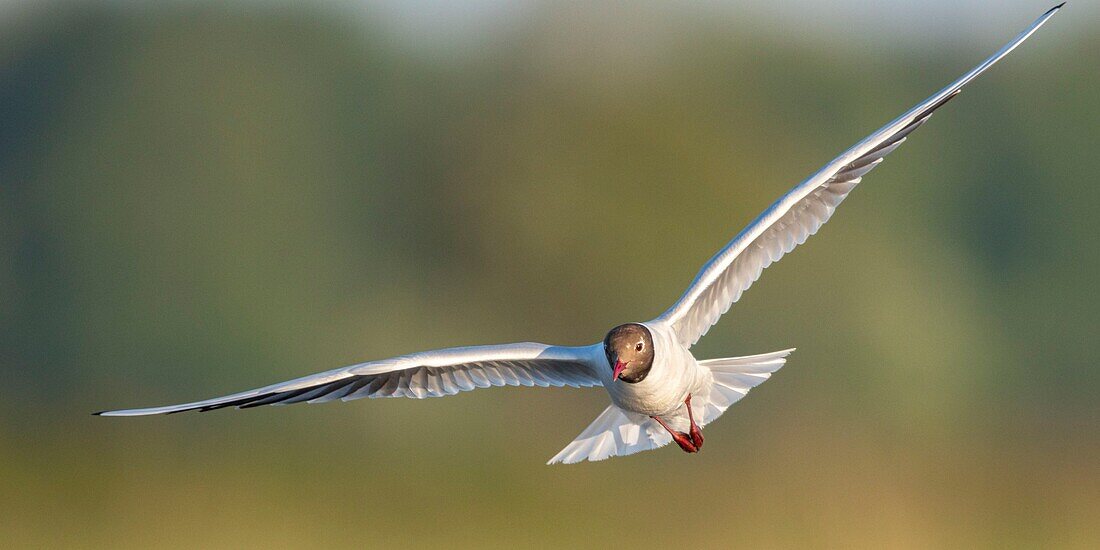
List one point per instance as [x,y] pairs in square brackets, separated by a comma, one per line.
[675,375]
[659,391]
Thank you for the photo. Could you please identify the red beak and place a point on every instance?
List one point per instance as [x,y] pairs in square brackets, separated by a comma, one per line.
[619,368]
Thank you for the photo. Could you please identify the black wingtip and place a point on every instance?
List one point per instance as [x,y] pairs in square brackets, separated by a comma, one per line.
[1055,8]
[100,413]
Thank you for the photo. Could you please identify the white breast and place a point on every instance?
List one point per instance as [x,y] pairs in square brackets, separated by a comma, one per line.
[674,375]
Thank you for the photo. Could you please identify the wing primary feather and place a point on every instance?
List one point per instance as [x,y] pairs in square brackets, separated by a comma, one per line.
[803,210]
[418,375]
[274,398]
[234,403]
[353,385]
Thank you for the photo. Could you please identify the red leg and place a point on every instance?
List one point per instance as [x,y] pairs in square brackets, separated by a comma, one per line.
[696,433]
[680,438]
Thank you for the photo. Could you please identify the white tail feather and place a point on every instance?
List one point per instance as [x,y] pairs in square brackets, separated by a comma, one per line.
[733,378]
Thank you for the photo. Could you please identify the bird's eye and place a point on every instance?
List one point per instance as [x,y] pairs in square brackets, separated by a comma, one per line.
[639,346]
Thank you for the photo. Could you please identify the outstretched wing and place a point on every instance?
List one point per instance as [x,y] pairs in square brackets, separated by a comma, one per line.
[418,375]
[801,212]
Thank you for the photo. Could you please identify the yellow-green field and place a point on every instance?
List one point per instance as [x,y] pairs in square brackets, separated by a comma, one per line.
[196,200]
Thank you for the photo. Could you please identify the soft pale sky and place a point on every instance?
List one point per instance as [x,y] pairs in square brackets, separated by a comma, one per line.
[914,22]
[911,23]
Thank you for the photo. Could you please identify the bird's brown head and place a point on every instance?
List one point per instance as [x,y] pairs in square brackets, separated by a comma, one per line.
[629,351]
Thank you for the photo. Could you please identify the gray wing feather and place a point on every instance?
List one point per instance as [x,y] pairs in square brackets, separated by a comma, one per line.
[801,212]
[419,375]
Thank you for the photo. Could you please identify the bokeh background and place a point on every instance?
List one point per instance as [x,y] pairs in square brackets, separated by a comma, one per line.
[198,198]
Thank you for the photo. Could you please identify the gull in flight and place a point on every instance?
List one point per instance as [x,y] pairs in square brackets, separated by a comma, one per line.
[659,391]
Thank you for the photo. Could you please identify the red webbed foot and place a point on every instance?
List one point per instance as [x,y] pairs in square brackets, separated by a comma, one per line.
[682,439]
[684,442]
[696,433]
[696,437]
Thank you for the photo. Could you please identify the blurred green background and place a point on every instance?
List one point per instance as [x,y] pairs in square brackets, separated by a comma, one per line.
[198,198]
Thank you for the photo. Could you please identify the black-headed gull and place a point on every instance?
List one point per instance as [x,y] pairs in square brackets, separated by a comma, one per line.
[659,391]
